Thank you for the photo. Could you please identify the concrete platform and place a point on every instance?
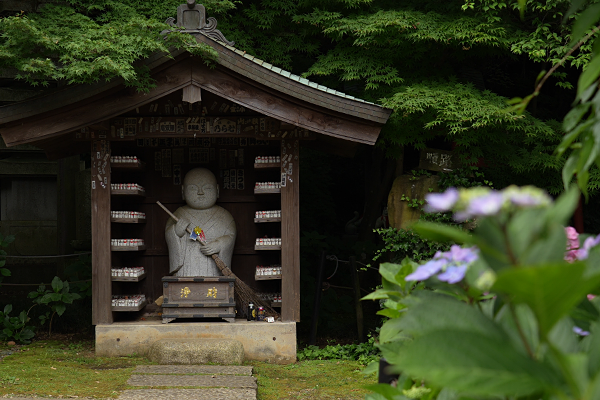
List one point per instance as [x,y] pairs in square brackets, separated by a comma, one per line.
[262,341]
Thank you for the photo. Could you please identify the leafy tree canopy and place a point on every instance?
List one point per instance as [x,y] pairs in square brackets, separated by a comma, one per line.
[445,68]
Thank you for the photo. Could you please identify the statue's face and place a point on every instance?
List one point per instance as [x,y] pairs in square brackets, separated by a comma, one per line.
[200,189]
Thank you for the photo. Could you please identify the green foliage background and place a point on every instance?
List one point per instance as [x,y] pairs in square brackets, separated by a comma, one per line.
[445,68]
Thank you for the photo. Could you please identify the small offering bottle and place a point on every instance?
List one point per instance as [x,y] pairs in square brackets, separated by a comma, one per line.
[251,316]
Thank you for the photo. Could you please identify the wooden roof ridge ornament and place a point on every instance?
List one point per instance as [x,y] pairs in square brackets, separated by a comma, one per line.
[192,18]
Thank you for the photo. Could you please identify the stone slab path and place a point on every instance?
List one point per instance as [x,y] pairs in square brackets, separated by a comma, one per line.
[213,382]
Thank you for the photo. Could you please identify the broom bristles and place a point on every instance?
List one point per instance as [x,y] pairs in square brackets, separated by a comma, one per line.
[245,292]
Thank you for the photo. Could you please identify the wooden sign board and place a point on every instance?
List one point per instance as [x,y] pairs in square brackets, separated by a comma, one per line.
[437,160]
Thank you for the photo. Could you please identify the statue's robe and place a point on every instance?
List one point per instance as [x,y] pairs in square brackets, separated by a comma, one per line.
[217,223]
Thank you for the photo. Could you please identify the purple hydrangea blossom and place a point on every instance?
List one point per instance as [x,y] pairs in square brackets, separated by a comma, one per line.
[580,331]
[453,265]
[441,202]
[590,242]
[488,204]
[526,196]
[453,274]
[426,270]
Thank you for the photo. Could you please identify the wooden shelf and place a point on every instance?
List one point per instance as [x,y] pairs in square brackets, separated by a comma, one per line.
[265,247]
[263,220]
[128,278]
[128,220]
[276,304]
[128,248]
[133,308]
[139,166]
[267,191]
[266,277]
[127,192]
[267,165]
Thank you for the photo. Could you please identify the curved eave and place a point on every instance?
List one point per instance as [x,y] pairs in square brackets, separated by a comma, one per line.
[293,85]
[236,78]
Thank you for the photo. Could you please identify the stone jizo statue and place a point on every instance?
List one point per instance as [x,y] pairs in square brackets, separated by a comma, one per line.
[187,256]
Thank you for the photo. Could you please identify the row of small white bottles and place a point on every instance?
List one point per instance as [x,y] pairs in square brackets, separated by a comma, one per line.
[126,242]
[267,185]
[126,186]
[124,159]
[267,159]
[127,214]
[268,214]
[268,241]
[274,297]
[132,300]
[133,272]
[268,271]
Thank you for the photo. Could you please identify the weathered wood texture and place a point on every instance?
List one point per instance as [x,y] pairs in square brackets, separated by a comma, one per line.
[290,233]
[73,108]
[101,254]
[68,119]
[283,107]
[74,96]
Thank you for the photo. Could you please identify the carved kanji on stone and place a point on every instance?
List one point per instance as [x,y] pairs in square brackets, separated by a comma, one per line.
[192,18]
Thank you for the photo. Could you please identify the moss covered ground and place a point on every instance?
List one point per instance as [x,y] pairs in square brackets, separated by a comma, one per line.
[70,369]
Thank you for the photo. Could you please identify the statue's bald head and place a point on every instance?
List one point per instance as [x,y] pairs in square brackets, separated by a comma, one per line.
[200,188]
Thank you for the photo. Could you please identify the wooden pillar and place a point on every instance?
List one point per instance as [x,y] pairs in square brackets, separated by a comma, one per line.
[101,255]
[290,231]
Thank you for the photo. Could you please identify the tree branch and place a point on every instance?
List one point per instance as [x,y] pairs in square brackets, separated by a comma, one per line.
[562,60]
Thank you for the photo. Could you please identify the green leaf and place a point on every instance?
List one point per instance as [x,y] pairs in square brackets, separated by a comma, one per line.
[57,284]
[594,351]
[7,308]
[60,309]
[585,21]
[430,311]
[569,169]
[573,118]
[590,73]
[387,392]
[5,272]
[550,290]
[472,363]
[547,249]
[564,206]
[442,233]
[390,331]
[389,313]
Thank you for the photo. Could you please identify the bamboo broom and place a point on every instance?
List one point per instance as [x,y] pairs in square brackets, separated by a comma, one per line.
[242,290]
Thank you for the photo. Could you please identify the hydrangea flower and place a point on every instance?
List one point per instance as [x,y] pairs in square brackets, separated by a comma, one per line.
[482,201]
[452,264]
[572,238]
[580,331]
[441,202]
[574,252]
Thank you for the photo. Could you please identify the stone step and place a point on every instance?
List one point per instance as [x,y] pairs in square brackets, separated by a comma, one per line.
[197,351]
[226,381]
[188,394]
[194,369]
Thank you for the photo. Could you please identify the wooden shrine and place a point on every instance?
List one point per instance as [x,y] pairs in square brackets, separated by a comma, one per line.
[245,120]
